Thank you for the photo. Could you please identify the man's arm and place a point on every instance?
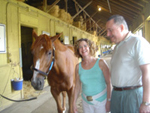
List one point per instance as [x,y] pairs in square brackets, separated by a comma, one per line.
[146,87]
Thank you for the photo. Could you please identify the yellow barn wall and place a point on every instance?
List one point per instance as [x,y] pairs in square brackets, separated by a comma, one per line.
[9,63]
[52,27]
[3,20]
[147,22]
[76,33]
[142,20]
[61,27]
[43,25]
[147,28]
[83,35]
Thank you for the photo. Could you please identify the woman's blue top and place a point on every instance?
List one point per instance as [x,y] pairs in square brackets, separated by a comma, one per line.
[93,81]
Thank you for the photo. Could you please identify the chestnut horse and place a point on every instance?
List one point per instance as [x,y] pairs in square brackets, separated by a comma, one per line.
[57,61]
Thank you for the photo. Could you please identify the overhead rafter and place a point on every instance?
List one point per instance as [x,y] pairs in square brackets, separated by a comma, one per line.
[44,5]
[133,8]
[86,13]
[109,6]
[81,9]
[91,17]
[146,1]
[52,5]
[66,1]
[121,9]
[137,3]
[130,9]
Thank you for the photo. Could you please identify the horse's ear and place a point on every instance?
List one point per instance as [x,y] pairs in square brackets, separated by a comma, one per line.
[56,37]
[34,35]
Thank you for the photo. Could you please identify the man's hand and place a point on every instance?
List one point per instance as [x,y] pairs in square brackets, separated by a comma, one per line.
[144,108]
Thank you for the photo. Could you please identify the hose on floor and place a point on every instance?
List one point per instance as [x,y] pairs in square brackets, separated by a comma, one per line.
[18,100]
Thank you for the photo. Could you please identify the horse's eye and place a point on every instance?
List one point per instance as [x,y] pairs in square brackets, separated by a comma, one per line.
[49,53]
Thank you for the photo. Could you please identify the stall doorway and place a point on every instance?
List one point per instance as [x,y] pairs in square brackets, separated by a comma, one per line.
[60,38]
[74,39]
[27,58]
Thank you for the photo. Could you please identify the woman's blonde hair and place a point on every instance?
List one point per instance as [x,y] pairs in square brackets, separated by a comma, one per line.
[90,43]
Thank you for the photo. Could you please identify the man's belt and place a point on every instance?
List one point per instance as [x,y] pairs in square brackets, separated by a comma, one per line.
[125,88]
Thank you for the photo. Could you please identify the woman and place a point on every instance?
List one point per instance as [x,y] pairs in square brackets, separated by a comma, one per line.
[93,76]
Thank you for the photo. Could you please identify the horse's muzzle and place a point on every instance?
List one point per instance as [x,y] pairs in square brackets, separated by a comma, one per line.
[38,84]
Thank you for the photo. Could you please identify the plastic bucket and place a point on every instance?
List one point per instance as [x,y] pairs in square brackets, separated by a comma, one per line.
[17,85]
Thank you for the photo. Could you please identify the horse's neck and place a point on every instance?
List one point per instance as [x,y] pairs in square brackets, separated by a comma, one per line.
[59,46]
[61,54]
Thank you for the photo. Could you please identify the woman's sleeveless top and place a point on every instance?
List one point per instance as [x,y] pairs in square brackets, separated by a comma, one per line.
[93,81]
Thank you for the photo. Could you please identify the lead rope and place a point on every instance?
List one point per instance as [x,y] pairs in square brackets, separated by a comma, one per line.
[18,100]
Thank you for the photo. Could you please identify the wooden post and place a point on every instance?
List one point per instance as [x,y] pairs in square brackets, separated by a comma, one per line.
[44,5]
[66,1]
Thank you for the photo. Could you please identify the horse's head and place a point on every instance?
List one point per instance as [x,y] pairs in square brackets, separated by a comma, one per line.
[43,56]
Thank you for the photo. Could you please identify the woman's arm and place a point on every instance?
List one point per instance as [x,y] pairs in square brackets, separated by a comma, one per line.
[77,87]
[106,73]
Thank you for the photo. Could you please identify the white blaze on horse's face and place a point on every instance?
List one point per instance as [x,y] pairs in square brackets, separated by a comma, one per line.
[37,66]
[41,47]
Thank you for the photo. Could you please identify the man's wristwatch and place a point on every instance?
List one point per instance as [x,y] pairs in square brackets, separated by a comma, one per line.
[146,103]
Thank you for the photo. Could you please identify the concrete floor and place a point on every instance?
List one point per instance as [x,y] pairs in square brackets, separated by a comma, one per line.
[45,103]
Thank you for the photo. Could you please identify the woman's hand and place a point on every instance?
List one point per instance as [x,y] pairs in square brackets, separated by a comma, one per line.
[75,110]
[107,106]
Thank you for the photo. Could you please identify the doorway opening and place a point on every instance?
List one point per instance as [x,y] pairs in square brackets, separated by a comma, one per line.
[74,39]
[27,57]
[60,38]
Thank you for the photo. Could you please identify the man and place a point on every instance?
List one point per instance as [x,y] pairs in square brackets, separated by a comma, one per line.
[130,69]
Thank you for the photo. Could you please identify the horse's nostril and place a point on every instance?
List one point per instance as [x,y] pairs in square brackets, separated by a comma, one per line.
[39,83]
[33,83]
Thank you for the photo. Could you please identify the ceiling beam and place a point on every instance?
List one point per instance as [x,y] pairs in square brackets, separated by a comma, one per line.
[77,8]
[86,13]
[126,5]
[102,32]
[146,1]
[91,17]
[44,5]
[109,6]
[53,5]
[81,9]
[133,7]
[117,8]
[137,3]
[66,5]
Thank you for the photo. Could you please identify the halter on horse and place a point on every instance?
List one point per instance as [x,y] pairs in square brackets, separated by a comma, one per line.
[55,60]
